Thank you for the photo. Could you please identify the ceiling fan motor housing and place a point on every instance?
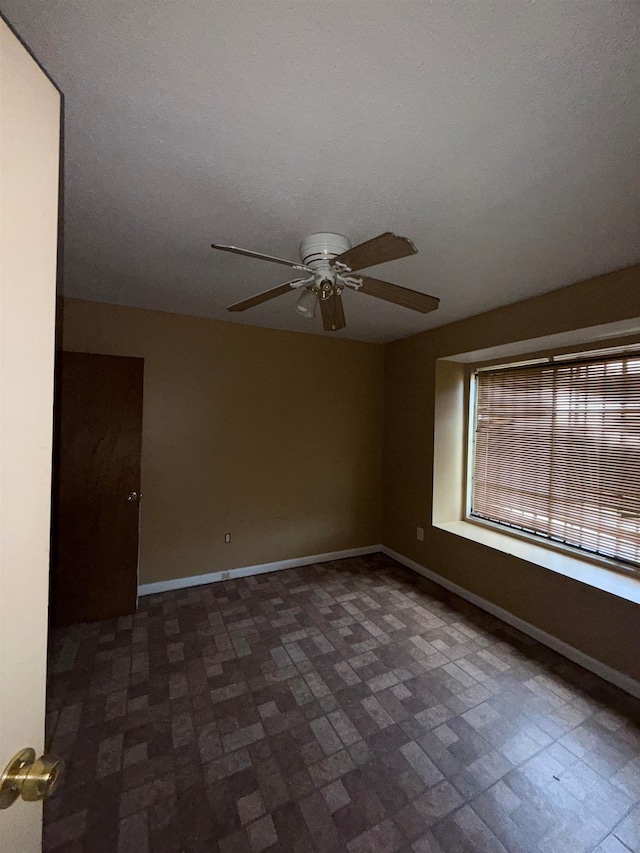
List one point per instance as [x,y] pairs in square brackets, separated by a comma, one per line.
[317,250]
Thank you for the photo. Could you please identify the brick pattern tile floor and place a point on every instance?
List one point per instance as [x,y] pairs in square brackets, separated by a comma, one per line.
[346,706]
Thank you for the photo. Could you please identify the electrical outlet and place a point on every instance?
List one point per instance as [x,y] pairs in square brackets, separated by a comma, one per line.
[420,534]
[227,538]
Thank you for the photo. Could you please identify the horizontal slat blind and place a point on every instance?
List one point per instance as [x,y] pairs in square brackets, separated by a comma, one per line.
[557,453]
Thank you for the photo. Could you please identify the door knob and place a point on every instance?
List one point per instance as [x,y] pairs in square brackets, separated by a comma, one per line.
[29,777]
[132,496]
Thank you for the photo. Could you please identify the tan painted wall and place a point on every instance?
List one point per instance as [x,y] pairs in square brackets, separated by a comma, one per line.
[275,437]
[599,624]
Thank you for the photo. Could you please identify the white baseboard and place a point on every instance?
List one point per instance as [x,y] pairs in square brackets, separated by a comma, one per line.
[260,569]
[624,682]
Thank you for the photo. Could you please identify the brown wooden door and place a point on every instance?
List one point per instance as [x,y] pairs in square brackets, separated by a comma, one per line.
[97,493]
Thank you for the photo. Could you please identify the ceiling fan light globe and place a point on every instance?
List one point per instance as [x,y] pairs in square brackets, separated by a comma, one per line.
[306,304]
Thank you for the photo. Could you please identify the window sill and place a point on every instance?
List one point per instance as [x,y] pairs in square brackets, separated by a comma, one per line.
[585,571]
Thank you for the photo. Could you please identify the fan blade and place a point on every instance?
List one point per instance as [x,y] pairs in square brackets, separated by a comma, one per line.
[263,297]
[379,250]
[261,257]
[332,313]
[398,295]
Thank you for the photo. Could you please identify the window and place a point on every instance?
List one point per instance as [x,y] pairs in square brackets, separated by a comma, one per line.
[556,452]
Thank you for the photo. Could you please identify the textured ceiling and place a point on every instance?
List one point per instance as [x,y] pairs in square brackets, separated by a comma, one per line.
[501,136]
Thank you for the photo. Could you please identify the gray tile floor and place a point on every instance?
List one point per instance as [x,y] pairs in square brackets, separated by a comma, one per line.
[348,706]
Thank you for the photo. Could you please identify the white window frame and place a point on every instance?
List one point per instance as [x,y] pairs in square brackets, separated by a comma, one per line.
[505,529]
[450,453]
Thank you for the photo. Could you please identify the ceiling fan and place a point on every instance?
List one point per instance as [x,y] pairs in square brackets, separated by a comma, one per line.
[330,260]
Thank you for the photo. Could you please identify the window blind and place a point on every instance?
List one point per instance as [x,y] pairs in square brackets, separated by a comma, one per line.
[557,452]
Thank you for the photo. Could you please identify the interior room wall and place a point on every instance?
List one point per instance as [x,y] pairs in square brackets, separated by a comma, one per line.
[277,438]
[274,437]
[597,623]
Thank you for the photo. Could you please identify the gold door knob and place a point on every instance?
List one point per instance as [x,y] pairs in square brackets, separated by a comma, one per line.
[29,777]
